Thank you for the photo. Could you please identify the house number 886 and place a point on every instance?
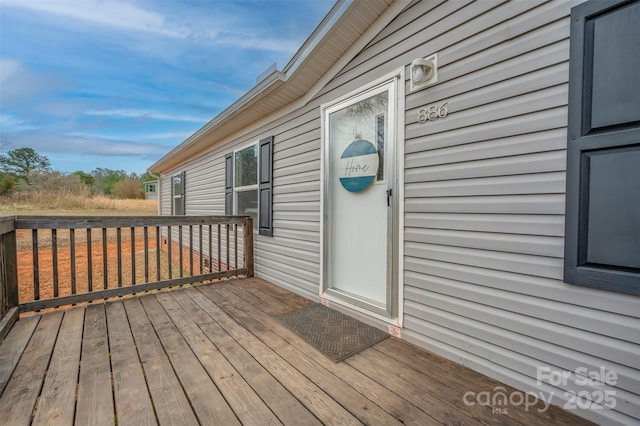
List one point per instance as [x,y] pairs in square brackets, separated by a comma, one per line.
[432,112]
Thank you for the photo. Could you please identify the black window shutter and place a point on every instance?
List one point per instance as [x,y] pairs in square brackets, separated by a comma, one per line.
[602,231]
[228,184]
[265,187]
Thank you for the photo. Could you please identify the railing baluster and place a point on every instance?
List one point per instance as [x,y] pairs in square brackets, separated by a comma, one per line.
[36,267]
[240,242]
[54,260]
[190,250]
[247,233]
[169,252]
[228,246]
[200,254]
[133,256]
[210,247]
[180,249]
[146,254]
[219,259]
[105,265]
[72,245]
[119,249]
[89,262]
[235,247]
[158,253]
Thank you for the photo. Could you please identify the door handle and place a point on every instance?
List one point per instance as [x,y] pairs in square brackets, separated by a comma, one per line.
[389,194]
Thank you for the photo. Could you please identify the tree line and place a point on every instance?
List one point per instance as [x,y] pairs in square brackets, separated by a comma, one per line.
[23,169]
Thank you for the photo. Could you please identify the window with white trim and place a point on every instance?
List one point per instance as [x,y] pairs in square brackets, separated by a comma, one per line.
[249,183]
[245,182]
[177,195]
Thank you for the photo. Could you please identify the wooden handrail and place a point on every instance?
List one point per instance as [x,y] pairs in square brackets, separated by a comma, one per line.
[84,222]
[123,256]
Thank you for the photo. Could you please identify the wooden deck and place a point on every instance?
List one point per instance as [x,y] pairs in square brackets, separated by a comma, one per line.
[214,354]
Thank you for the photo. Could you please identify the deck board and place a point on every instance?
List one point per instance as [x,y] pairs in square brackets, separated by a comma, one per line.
[19,398]
[57,402]
[238,394]
[171,404]
[95,397]
[337,387]
[311,395]
[215,354]
[133,404]
[205,398]
[397,407]
[285,405]
[13,346]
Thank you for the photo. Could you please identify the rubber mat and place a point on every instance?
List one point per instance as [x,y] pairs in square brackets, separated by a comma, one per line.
[331,332]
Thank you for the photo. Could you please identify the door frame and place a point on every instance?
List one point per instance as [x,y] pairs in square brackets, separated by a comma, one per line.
[393,311]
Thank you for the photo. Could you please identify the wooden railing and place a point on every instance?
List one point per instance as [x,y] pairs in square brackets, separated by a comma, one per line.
[8,276]
[68,260]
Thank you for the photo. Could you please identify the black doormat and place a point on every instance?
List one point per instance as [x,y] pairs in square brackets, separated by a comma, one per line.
[332,333]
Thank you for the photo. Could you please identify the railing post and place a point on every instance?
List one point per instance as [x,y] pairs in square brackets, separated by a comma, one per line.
[247,234]
[8,275]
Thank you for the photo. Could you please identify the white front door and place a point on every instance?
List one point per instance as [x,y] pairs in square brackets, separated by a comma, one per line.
[359,160]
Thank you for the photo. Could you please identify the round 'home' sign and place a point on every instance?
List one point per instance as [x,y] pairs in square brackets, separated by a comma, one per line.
[358,166]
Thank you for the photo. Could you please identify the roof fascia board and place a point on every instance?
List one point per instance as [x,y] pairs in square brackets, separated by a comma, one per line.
[373,30]
[318,35]
[165,164]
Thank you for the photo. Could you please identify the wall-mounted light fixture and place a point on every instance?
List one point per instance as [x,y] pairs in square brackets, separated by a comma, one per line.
[424,72]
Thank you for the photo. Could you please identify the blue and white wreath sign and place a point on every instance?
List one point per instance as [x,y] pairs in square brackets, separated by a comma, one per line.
[358,166]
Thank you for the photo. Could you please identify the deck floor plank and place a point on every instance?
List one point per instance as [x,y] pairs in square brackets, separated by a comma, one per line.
[95,394]
[398,407]
[314,397]
[57,402]
[435,407]
[247,405]
[462,378]
[215,354]
[422,384]
[205,398]
[273,302]
[285,405]
[21,393]
[13,347]
[133,404]
[338,382]
[170,403]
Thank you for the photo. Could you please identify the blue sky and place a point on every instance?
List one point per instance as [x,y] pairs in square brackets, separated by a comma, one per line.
[118,83]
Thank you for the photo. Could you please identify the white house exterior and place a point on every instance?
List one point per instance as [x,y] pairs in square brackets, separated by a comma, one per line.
[151,190]
[451,232]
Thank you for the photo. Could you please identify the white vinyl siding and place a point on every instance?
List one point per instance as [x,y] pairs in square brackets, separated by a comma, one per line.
[484,225]
[484,199]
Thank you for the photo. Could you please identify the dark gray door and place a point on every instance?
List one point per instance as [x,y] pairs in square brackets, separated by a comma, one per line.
[602,247]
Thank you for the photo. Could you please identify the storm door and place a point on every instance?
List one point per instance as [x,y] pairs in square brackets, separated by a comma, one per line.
[359,172]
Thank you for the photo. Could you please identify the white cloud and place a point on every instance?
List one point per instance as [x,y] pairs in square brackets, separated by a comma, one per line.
[168,135]
[86,144]
[155,115]
[254,41]
[9,68]
[123,15]
[115,14]
[10,123]
[20,83]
